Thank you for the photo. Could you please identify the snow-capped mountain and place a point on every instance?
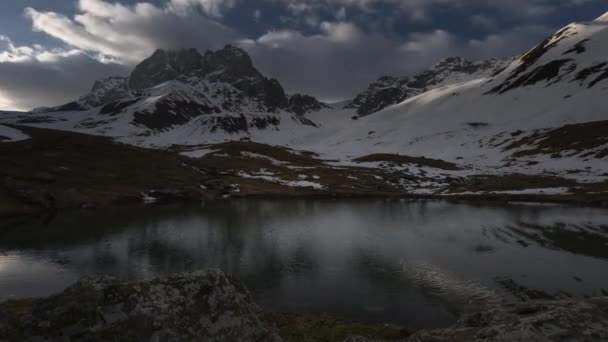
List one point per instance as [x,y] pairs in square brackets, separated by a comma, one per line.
[540,113]
[104,91]
[389,90]
[543,113]
[221,90]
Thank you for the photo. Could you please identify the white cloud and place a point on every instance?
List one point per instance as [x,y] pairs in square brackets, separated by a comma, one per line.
[214,8]
[342,59]
[33,76]
[106,37]
[128,34]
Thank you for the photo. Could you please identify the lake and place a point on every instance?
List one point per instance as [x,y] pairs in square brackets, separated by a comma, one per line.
[412,263]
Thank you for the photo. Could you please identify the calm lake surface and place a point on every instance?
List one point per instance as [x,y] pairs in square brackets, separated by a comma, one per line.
[413,263]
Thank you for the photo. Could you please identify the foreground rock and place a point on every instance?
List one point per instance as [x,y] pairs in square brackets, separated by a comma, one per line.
[210,306]
[562,320]
[202,306]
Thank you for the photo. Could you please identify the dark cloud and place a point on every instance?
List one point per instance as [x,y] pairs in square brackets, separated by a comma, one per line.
[50,78]
[334,57]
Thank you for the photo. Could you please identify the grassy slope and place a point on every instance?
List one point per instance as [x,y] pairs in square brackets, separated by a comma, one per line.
[76,169]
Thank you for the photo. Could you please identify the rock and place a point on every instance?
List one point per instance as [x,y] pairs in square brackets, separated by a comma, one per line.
[105,91]
[563,320]
[388,90]
[230,65]
[200,306]
[303,104]
[31,193]
[569,320]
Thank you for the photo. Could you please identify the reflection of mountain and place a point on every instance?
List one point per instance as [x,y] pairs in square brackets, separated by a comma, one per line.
[414,260]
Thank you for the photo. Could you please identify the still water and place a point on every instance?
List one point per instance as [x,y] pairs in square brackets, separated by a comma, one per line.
[413,263]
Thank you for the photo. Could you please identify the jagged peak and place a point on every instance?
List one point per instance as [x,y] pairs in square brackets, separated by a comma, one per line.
[109,81]
[453,60]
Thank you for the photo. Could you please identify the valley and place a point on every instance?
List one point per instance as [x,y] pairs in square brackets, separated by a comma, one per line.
[527,128]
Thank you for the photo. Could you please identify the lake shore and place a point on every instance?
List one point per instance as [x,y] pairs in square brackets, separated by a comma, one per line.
[211,305]
[67,171]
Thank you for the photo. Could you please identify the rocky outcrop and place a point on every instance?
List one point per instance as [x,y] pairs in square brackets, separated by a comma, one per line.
[562,320]
[303,104]
[230,65]
[201,306]
[388,90]
[105,91]
[210,306]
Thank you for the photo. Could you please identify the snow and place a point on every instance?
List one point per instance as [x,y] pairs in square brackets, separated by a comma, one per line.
[269,178]
[261,156]
[305,184]
[8,134]
[457,121]
[603,17]
[198,153]
[147,199]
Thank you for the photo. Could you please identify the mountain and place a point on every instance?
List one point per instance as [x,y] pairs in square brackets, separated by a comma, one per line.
[221,92]
[389,90]
[545,113]
[541,114]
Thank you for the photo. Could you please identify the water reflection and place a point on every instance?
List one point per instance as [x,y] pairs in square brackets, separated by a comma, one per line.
[415,263]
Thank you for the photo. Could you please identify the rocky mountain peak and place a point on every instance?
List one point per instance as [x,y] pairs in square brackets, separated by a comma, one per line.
[451,61]
[230,65]
[303,104]
[164,66]
[230,57]
[388,90]
[105,90]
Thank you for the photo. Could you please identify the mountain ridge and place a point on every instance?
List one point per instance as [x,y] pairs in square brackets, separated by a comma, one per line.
[540,114]
[389,90]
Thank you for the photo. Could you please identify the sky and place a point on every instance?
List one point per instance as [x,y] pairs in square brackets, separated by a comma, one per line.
[51,52]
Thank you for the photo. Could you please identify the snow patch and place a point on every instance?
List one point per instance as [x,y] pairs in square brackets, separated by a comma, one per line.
[273,179]
[9,134]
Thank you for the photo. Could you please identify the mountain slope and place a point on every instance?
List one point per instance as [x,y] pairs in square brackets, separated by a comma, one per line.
[543,113]
[388,91]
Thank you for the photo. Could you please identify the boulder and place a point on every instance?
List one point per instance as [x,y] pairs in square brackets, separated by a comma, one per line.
[200,306]
[571,320]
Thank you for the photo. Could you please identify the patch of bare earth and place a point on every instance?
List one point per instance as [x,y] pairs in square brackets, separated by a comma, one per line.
[585,139]
[512,182]
[259,169]
[401,159]
[56,169]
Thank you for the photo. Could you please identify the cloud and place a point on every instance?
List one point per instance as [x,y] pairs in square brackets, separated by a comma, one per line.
[508,43]
[103,39]
[342,59]
[33,77]
[128,34]
[423,10]
[257,15]
[324,47]
[484,22]
[213,8]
